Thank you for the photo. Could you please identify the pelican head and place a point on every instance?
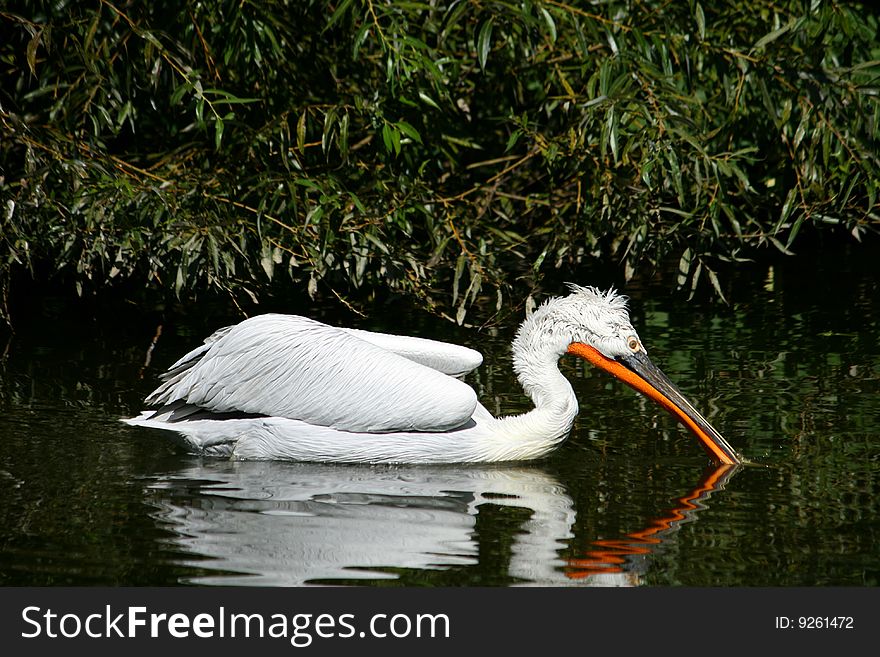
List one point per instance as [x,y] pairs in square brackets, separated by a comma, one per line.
[595,326]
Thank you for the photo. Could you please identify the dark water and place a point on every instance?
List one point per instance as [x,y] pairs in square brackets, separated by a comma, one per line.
[790,373]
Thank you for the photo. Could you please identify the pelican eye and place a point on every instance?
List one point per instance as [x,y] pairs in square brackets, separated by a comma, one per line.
[633,344]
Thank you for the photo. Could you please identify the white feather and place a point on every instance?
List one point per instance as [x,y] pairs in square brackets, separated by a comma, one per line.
[296,368]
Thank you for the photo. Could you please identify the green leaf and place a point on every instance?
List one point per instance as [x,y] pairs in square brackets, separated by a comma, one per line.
[31,51]
[343,136]
[218,132]
[308,184]
[467,143]
[536,266]
[327,133]
[675,171]
[178,94]
[266,260]
[301,132]
[701,21]
[484,43]
[409,131]
[337,15]
[456,279]
[803,124]
[795,229]
[511,141]
[395,140]
[714,279]
[179,280]
[779,245]
[359,39]
[787,207]
[386,138]
[772,36]
[550,23]
[428,100]
[375,240]
[612,131]
[684,267]
[695,279]
[594,101]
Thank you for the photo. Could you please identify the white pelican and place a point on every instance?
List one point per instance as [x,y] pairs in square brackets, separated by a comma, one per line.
[288,387]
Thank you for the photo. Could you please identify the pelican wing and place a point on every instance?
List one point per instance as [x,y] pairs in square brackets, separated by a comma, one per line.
[297,368]
[451,359]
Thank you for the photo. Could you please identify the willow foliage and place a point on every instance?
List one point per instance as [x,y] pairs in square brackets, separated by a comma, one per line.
[450,150]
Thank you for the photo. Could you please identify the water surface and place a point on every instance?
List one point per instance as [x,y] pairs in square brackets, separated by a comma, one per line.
[790,373]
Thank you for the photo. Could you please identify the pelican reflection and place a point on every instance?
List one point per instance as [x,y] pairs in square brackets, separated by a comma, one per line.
[263,523]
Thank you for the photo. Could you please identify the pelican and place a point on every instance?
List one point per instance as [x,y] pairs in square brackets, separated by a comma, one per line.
[288,387]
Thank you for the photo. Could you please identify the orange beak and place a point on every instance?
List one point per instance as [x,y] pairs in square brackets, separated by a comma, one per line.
[640,373]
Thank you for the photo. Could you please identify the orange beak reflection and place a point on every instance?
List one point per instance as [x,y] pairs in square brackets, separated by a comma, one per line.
[637,371]
[616,555]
